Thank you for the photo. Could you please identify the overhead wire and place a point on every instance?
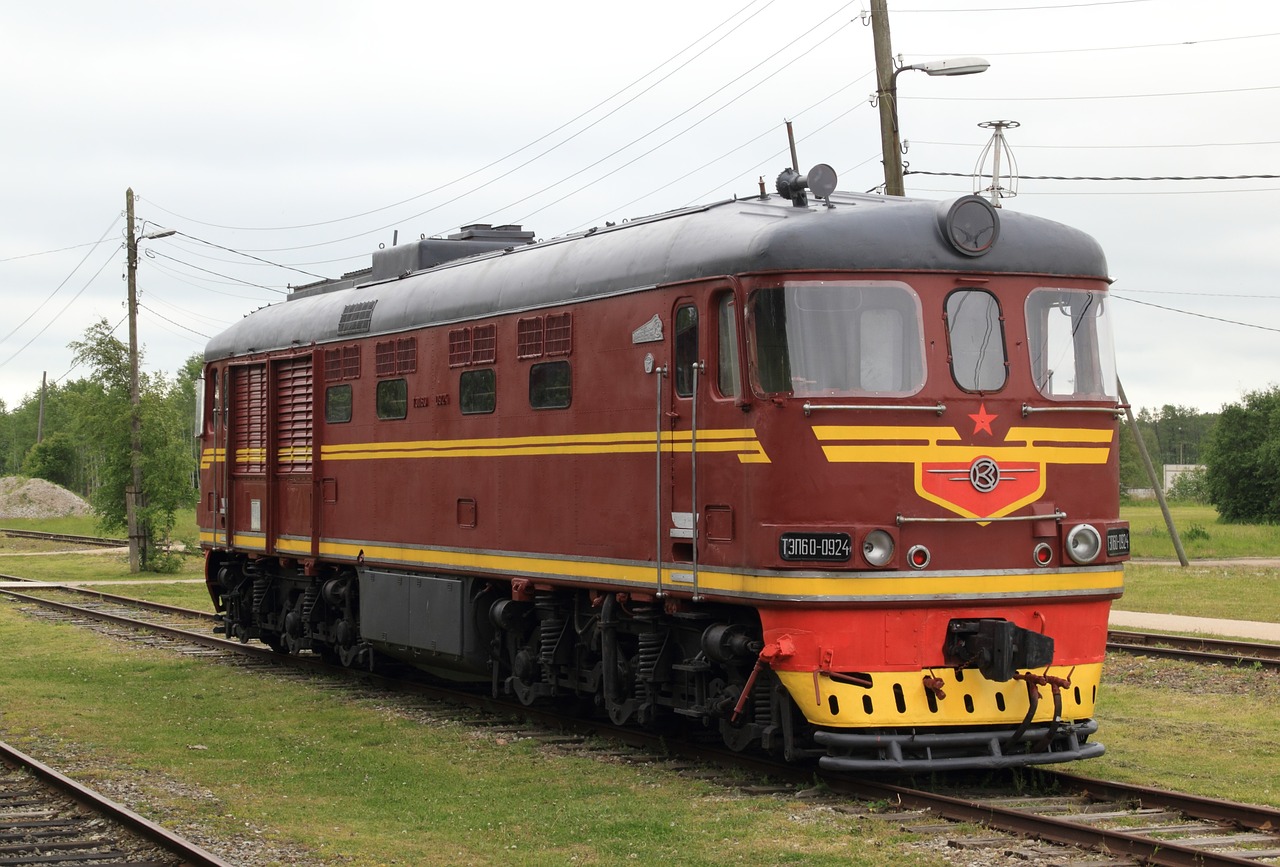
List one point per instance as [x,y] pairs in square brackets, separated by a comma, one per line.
[64,282]
[67,306]
[521,149]
[1190,313]
[677,117]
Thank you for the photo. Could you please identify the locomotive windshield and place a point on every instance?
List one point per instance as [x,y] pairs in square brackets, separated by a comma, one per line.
[837,338]
[1069,335]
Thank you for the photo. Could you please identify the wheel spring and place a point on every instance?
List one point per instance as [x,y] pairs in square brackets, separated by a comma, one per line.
[261,584]
[550,629]
[761,697]
[650,647]
[309,602]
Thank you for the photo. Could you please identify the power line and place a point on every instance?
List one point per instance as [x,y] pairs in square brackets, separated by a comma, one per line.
[1104,96]
[1099,178]
[73,300]
[519,150]
[1197,315]
[1140,47]
[216,274]
[1221,144]
[248,256]
[59,250]
[696,124]
[64,282]
[171,322]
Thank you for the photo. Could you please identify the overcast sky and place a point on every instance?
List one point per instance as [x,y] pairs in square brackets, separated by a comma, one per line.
[305,134]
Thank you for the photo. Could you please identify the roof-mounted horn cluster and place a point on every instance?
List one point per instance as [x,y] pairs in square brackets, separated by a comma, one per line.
[821,179]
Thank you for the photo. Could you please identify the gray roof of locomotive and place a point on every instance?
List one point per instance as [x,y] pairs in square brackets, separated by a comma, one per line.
[860,233]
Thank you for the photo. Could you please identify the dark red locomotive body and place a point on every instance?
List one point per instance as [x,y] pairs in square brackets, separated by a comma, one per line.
[836,479]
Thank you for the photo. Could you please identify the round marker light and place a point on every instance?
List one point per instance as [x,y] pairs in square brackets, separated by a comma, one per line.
[877,547]
[1043,554]
[1084,544]
[918,557]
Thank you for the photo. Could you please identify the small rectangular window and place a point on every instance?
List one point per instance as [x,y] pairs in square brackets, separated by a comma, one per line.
[351,362]
[550,385]
[337,404]
[342,363]
[484,344]
[686,348]
[384,358]
[332,365]
[459,347]
[728,378]
[393,399]
[477,391]
[407,355]
[559,334]
[529,337]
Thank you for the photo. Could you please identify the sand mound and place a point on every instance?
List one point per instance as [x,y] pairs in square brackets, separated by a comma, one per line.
[36,498]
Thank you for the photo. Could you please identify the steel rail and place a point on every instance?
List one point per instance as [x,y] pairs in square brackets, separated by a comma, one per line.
[191,854]
[1212,809]
[64,537]
[1064,831]
[995,816]
[1195,649]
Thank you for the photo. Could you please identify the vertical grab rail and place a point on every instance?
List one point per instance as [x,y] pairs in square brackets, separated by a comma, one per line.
[657,469]
[698,367]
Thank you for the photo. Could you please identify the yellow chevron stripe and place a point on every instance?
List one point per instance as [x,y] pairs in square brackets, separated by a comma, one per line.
[917,445]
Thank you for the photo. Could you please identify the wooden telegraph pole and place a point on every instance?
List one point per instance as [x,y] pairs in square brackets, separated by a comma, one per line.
[137,546]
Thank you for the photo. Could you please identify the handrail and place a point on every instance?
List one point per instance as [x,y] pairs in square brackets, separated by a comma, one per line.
[939,408]
[1055,516]
[1117,411]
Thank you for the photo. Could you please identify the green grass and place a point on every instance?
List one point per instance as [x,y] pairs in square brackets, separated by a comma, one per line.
[1203,535]
[357,783]
[1235,592]
[1209,730]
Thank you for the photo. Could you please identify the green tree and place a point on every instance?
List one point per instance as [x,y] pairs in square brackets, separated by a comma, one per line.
[102,410]
[1242,459]
[53,459]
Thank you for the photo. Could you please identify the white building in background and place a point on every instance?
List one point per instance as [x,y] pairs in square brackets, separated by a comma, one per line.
[1172,471]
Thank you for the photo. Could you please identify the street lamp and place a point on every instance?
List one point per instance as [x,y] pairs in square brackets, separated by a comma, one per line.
[137,535]
[890,140]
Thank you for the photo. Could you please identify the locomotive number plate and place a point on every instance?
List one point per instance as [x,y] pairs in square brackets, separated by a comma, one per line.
[825,547]
[1117,541]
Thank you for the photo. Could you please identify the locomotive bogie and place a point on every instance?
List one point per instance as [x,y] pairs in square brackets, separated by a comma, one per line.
[783,472]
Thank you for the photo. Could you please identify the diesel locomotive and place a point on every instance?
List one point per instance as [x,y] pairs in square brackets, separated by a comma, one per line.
[824,474]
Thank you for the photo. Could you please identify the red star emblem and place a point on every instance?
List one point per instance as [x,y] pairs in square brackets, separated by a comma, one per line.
[982,421]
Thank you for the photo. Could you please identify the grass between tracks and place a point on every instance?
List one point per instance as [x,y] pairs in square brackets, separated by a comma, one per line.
[356,783]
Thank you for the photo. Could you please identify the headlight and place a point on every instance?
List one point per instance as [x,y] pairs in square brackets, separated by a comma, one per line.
[1084,544]
[877,547]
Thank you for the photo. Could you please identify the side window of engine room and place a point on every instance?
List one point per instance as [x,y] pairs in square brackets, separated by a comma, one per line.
[550,385]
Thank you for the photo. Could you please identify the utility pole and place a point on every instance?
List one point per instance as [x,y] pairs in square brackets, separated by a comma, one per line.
[44,386]
[1151,476]
[137,533]
[885,96]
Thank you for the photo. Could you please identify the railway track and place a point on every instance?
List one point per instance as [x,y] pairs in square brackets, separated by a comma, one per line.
[1195,649]
[47,818]
[1126,823]
[64,537]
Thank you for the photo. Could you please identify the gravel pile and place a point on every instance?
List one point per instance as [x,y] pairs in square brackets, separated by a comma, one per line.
[36,498]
